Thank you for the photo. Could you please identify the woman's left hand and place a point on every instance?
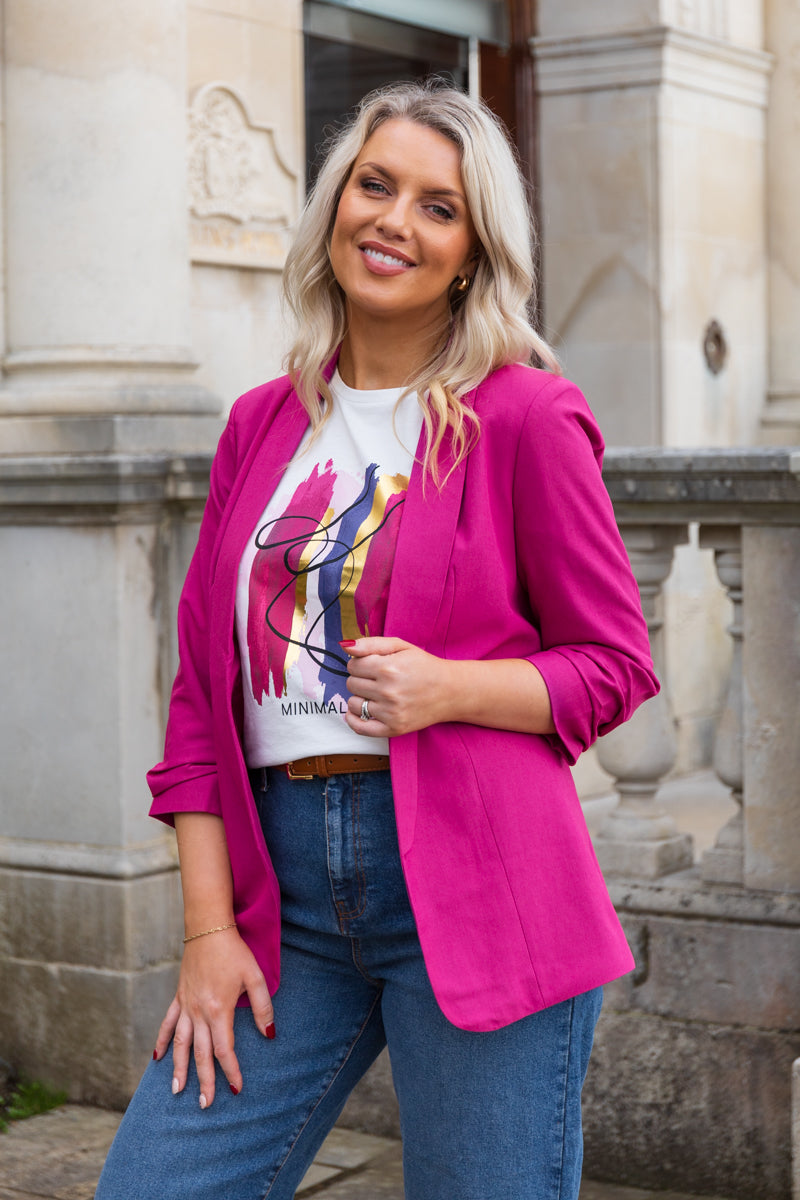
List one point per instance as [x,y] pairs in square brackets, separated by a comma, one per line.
[405,687]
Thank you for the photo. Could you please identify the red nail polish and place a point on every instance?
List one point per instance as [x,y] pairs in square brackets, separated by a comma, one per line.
[235,1090]
[347,643]
[270,1030]
[155,1054]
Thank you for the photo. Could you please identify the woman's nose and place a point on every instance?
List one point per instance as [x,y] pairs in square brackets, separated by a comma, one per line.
[395,218]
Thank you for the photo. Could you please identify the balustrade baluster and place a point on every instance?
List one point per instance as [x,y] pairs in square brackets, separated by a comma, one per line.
[724,862]
[638,838]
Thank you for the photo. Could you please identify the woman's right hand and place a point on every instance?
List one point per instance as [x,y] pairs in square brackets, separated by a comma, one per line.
[216,970]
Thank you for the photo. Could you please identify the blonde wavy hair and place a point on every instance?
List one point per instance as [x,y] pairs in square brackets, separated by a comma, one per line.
[490,324]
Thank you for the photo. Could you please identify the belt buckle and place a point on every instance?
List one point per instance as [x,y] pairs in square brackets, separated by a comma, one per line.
[292,775]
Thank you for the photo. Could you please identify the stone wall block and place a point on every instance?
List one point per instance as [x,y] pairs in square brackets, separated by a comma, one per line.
[72,1037]
[691,1106]
[723,972]
[96,923]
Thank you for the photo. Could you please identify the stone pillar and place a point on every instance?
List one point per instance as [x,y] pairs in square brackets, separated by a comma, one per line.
[97,400]
[97,262]
[723,863]
[780,420]
[771,703]
[653,193]
[639,838]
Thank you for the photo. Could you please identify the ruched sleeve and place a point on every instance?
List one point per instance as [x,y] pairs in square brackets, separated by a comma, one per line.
[595,656]
[186,779]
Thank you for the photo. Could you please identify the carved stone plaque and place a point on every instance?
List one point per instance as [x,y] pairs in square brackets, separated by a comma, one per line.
[242,195]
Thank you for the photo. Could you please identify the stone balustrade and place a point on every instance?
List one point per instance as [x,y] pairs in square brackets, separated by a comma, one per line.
[746,503]
[690,1082]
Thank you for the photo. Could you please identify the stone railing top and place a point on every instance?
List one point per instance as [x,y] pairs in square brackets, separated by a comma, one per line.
[663,485]
[737,485]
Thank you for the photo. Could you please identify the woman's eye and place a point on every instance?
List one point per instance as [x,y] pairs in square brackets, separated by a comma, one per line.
[439,210]
[373,185]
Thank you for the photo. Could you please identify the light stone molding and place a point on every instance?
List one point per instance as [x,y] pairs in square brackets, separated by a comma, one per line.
[242,193]
[652,57]
[780,420]
[113,489]
[57,358]
[106,862]
[68,381]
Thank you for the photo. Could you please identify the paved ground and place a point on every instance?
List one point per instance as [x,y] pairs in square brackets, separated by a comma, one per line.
[58,1156]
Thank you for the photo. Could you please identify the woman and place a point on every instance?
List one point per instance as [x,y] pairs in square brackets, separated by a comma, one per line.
[407,555]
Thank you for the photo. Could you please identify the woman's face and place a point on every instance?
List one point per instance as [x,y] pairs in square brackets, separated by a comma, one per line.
[403,233]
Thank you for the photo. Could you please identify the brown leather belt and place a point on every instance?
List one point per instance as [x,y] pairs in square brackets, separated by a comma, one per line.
[325,765]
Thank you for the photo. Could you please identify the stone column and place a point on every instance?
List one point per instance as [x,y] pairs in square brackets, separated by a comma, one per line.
[771,705]
[639,838]
[780,421]
[652,144]
[723,863]
[97,400]
[97,263]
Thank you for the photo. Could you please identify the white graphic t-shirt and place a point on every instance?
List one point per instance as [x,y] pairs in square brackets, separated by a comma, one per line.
[316,572]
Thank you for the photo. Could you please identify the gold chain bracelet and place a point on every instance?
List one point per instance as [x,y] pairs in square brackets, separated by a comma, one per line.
[205,933]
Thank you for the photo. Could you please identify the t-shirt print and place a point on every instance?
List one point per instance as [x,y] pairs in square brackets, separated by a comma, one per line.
[321,575]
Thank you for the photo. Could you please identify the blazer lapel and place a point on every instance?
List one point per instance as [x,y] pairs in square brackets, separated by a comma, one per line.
[274,443]
[422,557]
[423,551]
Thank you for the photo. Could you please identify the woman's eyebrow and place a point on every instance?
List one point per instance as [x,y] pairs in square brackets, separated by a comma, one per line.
[433,189]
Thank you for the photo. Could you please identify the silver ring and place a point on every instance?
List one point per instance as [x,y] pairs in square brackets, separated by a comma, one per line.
[364,711]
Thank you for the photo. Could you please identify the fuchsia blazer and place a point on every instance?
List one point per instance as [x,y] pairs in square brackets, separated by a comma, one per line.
[518,556]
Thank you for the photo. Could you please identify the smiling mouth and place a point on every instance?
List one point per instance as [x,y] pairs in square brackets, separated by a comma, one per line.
[389,259]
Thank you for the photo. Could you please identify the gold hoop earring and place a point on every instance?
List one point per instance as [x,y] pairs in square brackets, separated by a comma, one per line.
[463,284]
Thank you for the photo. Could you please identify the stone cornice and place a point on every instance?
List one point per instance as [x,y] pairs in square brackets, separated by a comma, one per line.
[739,486]
[107,489]
[652,57]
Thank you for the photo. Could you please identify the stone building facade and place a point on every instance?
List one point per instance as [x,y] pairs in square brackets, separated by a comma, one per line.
[154,160]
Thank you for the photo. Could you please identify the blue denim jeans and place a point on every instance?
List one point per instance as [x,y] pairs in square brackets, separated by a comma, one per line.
[485,1116]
